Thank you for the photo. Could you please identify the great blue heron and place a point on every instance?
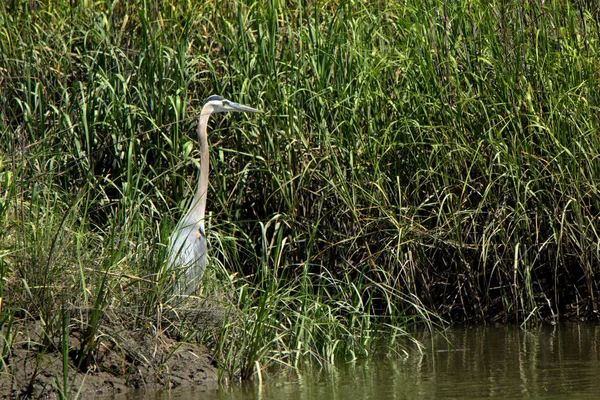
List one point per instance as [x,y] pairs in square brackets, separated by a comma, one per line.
[187,247]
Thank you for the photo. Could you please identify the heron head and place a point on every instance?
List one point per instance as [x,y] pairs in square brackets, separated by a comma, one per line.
[221,105]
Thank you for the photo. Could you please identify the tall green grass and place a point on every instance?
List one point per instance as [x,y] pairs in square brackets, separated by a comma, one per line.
[415,157]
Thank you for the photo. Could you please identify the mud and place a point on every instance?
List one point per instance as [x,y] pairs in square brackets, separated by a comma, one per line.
[127,355]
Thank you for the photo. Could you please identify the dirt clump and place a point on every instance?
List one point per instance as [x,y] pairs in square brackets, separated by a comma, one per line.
[124,355]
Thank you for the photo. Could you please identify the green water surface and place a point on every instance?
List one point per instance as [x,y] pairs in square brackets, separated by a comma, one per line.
[547,362]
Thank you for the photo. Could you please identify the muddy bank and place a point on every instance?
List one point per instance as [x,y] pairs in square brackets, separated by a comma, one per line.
[125,357]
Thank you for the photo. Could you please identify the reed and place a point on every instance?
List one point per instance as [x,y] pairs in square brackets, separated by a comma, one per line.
[418,160]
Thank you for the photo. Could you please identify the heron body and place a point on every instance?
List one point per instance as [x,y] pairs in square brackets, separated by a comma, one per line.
[187,247]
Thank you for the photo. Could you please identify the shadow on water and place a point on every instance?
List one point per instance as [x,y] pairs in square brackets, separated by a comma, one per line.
[547,362]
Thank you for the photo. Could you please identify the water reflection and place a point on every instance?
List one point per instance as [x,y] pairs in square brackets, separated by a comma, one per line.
[548,362]
[507,362]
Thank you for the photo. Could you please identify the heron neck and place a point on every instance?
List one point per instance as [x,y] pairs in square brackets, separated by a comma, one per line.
[199,204]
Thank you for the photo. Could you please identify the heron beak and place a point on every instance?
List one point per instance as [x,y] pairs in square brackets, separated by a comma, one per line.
[243,108]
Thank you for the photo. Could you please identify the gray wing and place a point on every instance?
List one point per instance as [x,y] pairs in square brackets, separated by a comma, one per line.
[187,253]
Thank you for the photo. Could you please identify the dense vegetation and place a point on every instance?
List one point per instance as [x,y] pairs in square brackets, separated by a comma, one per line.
[417,160]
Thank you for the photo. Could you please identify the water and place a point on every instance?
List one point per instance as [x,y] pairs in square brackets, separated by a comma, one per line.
[550,362]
